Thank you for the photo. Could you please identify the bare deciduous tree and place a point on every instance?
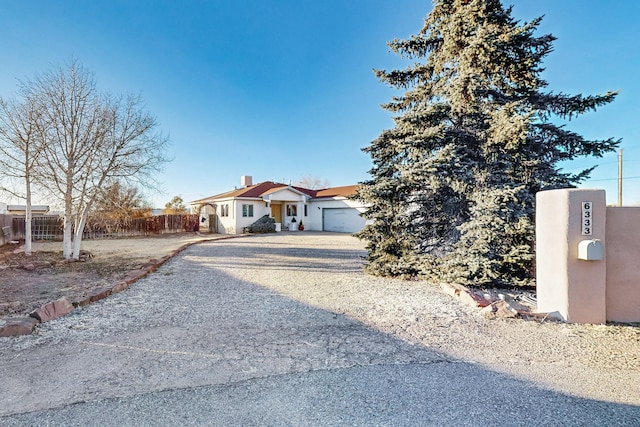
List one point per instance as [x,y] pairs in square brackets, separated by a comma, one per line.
[19,151]
[89,139]
[312,182]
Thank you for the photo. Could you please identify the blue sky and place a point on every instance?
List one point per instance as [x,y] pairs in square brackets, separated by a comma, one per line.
[279,89]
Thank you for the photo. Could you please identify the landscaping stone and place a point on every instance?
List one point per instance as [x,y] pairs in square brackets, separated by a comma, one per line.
[52,310]
[134,275]
[150,266]
[82,302]
[119,287]
[499,310]
[464,295]
[99,294]
[266,224]
[17,326]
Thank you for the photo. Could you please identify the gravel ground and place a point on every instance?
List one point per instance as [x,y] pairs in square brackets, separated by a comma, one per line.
[316,277]
[28,282]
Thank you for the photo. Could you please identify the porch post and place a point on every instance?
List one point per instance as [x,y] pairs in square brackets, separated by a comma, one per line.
[300,212]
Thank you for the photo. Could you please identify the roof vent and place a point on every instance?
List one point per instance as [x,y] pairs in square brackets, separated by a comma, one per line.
[246,180]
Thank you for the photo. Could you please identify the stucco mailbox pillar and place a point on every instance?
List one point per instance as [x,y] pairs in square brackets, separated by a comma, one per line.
[570,262]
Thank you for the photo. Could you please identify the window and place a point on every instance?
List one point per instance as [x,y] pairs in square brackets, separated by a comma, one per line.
[224,210]
[247,210]
[305,210]
[292,210]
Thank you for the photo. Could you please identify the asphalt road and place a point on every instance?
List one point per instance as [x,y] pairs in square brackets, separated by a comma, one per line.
[206,340]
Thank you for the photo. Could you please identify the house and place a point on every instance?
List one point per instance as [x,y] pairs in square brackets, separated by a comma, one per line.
[329,209]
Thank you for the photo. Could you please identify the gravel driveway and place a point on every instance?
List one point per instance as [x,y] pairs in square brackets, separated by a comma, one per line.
[286,330]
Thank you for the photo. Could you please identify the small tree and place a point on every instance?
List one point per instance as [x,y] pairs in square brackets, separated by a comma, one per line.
[20,147]
[117,205]
[176,206]
[453,184]
[88,140]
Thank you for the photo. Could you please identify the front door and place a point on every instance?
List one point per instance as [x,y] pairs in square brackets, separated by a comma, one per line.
[276,212]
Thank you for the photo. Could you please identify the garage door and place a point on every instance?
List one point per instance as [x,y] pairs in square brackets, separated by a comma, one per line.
[342,220]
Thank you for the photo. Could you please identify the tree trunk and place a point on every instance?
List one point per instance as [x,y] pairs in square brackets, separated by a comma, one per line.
[27,220]
[77,237]
[67,250]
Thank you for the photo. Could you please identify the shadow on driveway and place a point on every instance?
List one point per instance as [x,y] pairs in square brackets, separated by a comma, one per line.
[206,340]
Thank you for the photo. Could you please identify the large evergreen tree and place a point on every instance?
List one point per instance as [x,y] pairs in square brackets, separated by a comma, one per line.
[476,135]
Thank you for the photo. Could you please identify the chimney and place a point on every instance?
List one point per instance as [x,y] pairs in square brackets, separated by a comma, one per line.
[246,180]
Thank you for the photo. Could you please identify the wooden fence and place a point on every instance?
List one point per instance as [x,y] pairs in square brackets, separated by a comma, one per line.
[5,228]
[49,227]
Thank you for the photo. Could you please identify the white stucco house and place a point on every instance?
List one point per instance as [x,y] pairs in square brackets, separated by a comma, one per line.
[329,209]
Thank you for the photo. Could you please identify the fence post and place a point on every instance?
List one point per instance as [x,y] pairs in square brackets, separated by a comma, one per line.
[572,287]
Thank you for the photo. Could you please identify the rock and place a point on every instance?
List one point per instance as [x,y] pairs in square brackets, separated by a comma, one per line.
[135,275]
[42,264]
[499,310]
[82,301]
[29,267]
[464,295]
[99,294]
[266,224]
[52,310]
[119,287]
[17,326]
[473,299]
[151,265]
[86,254]
[450,289]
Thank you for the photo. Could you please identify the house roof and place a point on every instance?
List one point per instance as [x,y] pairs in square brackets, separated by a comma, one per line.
[268,187]
[344,191]
[256,190]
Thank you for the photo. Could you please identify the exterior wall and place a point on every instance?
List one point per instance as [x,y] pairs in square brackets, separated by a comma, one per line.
[623,267]
[573,288]
[259,210]
[235,222]
[227,224]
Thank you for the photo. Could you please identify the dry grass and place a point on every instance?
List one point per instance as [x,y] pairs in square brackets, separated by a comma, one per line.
[27,282]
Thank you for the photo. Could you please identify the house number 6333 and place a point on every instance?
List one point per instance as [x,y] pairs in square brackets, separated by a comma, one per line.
[587,218]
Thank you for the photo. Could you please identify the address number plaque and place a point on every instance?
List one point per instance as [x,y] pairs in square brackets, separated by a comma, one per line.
[587,218]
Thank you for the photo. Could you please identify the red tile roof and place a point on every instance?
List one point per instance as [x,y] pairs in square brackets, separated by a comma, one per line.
[344,191]
[256,190]
[263,188]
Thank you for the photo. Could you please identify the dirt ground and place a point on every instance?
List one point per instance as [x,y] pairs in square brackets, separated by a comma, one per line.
[27,282]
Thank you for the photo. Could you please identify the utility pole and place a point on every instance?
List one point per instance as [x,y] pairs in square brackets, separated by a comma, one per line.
[620,177]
